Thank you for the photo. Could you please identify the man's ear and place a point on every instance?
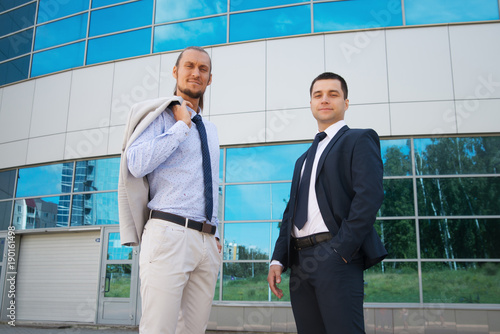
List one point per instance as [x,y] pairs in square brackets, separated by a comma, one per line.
[209,80]
[346,104]
[174,72]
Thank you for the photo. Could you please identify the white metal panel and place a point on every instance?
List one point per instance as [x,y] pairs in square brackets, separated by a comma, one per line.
[15,111]
[58,277]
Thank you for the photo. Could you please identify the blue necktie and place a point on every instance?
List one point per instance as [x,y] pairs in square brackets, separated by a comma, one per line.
[207,170]
[305,181]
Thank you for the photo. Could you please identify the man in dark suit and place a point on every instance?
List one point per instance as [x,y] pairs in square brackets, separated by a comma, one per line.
[327,236]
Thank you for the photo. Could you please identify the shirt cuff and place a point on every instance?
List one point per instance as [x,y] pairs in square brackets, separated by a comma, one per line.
[275,262]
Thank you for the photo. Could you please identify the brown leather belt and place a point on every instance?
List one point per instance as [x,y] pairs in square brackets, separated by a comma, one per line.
[310,240]
[198,226]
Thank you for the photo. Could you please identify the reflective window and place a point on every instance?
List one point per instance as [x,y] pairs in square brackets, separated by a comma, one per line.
[43,212]
[247,241]
[450,282]
[262,163]
[116,251]
[399,238]
[459,196]
[97,175]
[471,155]
[253,4]
[278,22]
[58,59]
[7,182]
[245,281]
[256,201]
[168,11]
[17,19]
[398,198]
[124,45]
[49,9]
[118,277]
[5,214]
[8,4]
[396,157]
[460,238]
[447,11]
[357,14]
[45,180]
[392,282]
[221,165]
[101,3]
[94,209]
[48,35]
[128,16]
[16,45]
[177,36]
[14,70]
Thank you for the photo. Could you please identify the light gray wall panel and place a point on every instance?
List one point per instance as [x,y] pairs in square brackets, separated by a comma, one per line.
[294,124]
[476,116]
[15,111]
[374,116]
[241,128]
[46,149]
[13,154]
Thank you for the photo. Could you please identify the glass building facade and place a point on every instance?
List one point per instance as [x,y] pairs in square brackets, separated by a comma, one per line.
[47,36]
[440,220]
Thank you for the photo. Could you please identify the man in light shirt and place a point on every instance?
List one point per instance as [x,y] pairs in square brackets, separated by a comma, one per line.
[168,201]
[327,236]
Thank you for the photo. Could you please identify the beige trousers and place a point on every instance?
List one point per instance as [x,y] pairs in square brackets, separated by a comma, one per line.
[178,271]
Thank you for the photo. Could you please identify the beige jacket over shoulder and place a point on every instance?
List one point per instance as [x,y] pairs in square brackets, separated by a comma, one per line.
[133,193]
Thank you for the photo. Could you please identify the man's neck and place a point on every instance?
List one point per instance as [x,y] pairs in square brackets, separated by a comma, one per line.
[194,102]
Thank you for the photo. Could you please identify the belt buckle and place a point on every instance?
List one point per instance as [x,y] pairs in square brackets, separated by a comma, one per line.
[206,228]
[186,223]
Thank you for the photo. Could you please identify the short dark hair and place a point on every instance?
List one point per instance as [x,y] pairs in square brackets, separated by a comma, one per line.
[196,48]
[331,76]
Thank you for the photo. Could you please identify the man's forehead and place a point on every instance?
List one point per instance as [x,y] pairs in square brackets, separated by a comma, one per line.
[327,84]
[195,56]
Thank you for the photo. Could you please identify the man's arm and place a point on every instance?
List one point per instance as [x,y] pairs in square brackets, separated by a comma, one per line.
[367,177]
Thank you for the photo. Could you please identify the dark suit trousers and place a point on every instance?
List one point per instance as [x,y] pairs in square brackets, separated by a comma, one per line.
[326,293]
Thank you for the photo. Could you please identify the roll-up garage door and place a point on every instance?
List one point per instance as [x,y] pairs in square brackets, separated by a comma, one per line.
[57,277]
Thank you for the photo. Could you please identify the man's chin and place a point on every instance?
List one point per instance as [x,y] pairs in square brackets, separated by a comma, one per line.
[192,94]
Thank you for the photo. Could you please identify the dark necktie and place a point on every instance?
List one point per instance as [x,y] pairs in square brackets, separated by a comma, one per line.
[207,170]
[305,181]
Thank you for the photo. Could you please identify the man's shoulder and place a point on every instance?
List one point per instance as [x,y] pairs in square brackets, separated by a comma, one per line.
[356,132]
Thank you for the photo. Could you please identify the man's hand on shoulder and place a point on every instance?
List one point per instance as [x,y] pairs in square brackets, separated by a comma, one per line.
[274,278]
[181,113]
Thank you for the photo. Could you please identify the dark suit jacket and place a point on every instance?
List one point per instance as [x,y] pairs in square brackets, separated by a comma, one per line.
[349,191]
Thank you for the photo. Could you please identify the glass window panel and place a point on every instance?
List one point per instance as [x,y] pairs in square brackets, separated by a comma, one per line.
[248,202]
[460,238]
[5,214]
[49,9]
[8,4]
[262,163]
[58,59]
[45,180]
[177,36]
[392,282]
[95,209]
[398,198]
[7,182]
[43,212]
[247,241]
[14,70]
[272,23]
[101,3]
[461,282]
[115,250]
[399,238]
[128,16]
[469,155]
[252,4]
[396,157]
[459,196]
[168,11]
[357,14]
[245,281]
[2,247]
[124,45]
[118,277]
[221,165]
[16,45]
[17,19]
[280,195]
[96,175]
[447,11]
[48,35]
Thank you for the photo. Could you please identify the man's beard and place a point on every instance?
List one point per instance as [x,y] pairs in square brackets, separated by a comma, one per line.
[190,93]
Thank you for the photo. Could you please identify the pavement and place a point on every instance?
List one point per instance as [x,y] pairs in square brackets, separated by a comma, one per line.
[40,328]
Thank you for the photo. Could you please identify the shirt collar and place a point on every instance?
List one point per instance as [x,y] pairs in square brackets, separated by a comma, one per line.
[193,113]
[332,130]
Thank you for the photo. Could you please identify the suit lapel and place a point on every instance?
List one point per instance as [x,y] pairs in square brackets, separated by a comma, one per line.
[332,142]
